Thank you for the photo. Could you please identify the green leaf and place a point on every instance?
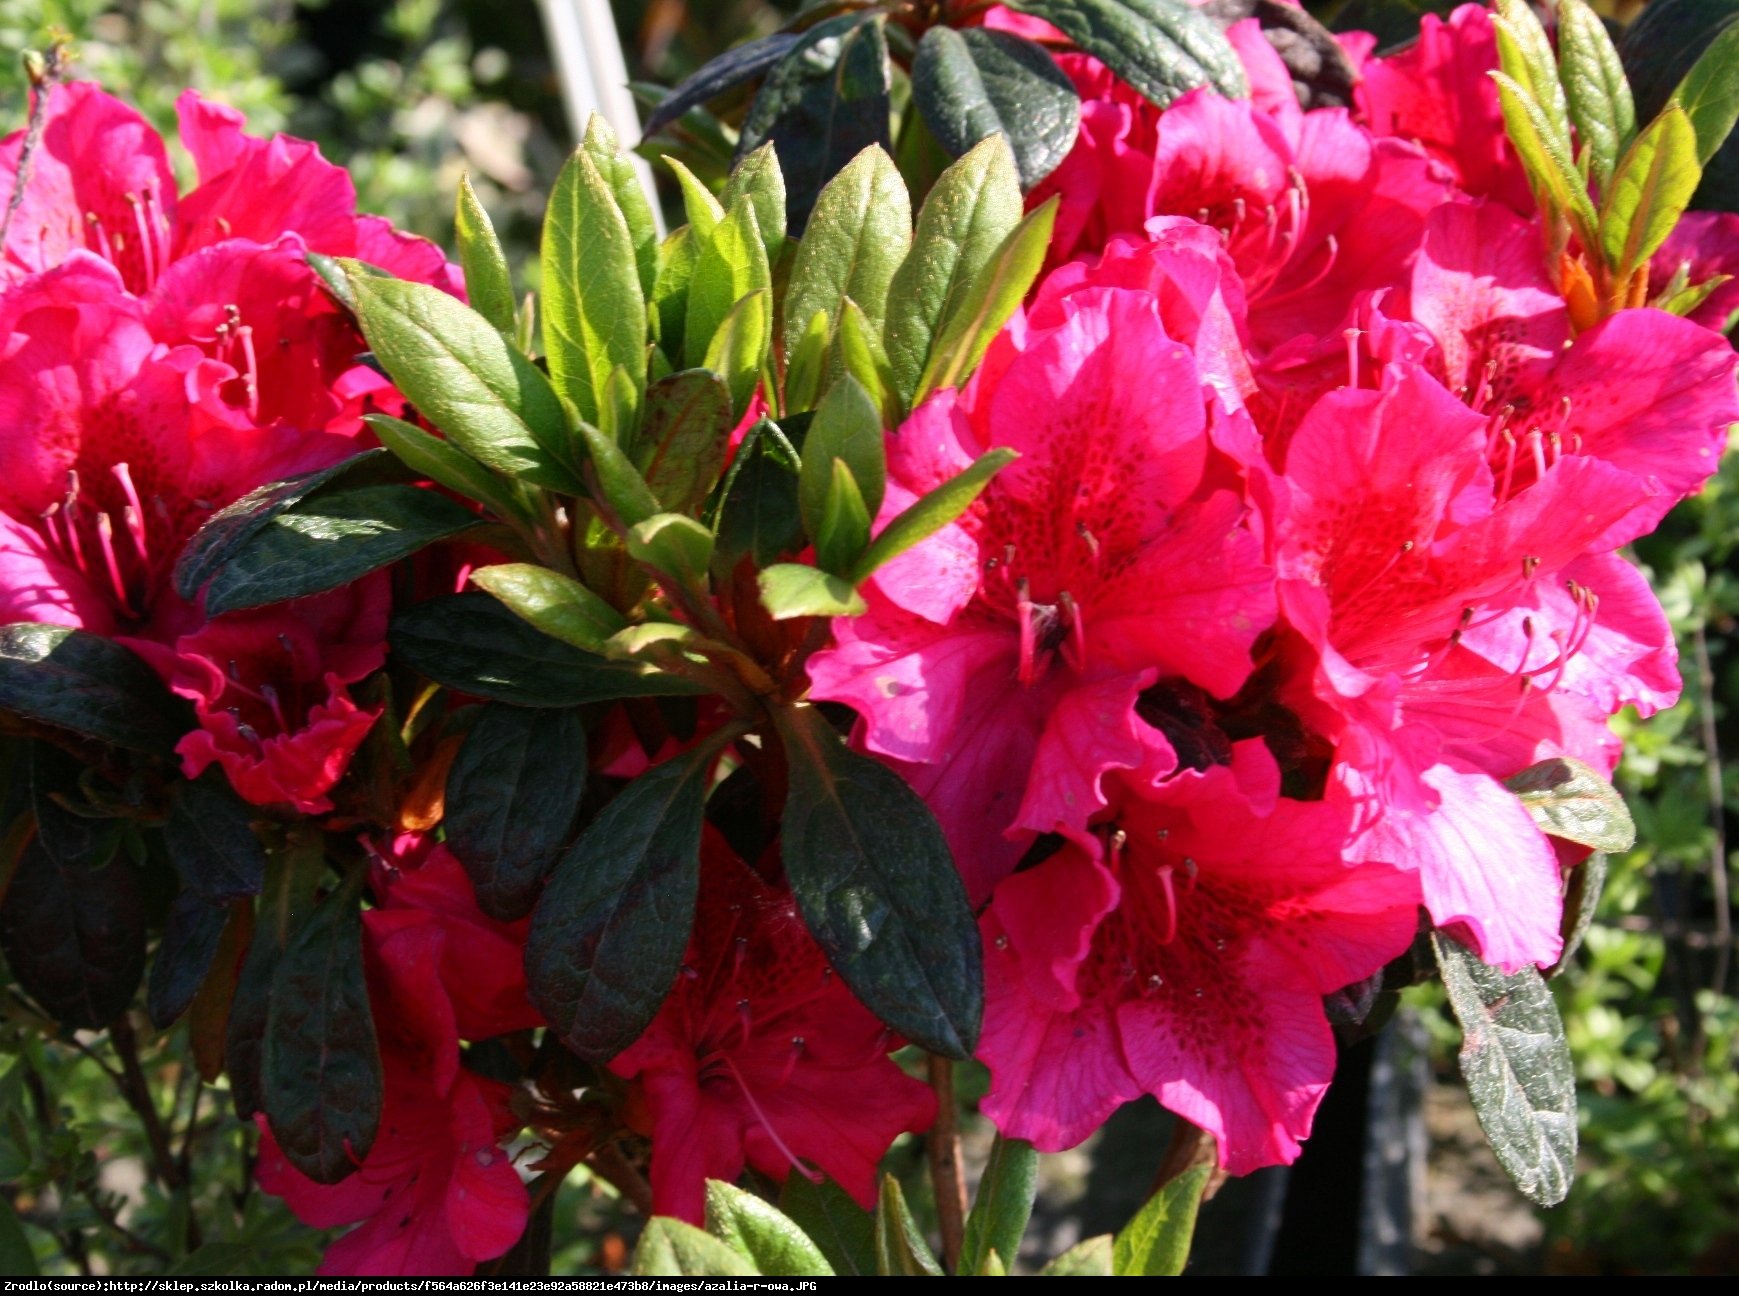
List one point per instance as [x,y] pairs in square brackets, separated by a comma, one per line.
[1650,191]
[620,485]
[1004,1203]
[557,605]
[1709,94]
[805,363]
[443,463]
[91,685]
[739,349]
[770,1241]
[17,1260]
[684,437]
[900,1247]
[608,934]
[822,105]
[1156,1243]
[758,515]
[513,794]
[1163,48]
[931,513]
[192,932]
[674,545]
[669,300]
[970,211]
[878,889]
[1545,155]
[732,263]
[669,1248]
[332,539]
[703,209]
[858,351]
[227,530]
[797,590]
[1570,800]
[1581,901]
[1089,1259]
[619,173]
[844,1232]
[291,878]
[1525,55]
[1595,90]
[976,84]
[858,235]
[488,281]
[735,66]
[210,838]
[473,644]
[845,522]
[847,427]
[1518,1070]
[321,1069]
[594,314]
[466,379]
[214,1260]
[758,178]
[74,935]
[999,286]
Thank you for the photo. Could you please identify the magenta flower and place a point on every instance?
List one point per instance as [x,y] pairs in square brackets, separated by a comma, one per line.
[1003,657]
[1704,244]
[1182,949]
[761,1057]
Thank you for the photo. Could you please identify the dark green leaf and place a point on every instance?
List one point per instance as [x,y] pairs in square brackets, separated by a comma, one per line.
[843,1231]
[759,514]
[557,605]
[74,936]
[847,427]
[468,380]
[670,1248]
[796,590]
[91,685]
[1570,800]
[844,531]
[684,435]
[513,794]
[1709,94]
[970,211]
[594,313]
[488,281]
[1089,1259]
[191,936]
[623,179]
[330,540]
[1156,1243]
[211,841]
[669,301]
[70,838]
[1517,1067]
[1004,1204]
[471,643]
[1161,47]
[1581,901]
[822,104]
[900,1247]
[227,530]
[214,1260]
[974,84]
[320,1068]
[288,898]
[773,1244]
[1595,90]
[878,889]
[17,1260]
[729,69]
[608,934]
[930,514]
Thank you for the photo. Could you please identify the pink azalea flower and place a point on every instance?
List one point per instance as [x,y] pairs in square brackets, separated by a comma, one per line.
[1438,93]
[761,1057]
[1705,244]
[1002,658]
[1182,950]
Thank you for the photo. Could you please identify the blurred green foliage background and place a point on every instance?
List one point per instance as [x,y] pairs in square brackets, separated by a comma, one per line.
[411,93]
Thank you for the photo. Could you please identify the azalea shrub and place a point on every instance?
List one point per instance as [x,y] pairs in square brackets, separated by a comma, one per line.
[1118,594]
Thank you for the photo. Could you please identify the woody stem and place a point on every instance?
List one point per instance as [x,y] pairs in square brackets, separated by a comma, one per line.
[947,1170]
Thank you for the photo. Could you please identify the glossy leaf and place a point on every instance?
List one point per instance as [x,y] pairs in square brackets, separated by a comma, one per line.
[608,934]
[513,794]
[443,463]
[731,263]
[684,437]
[669,301]
[71,838]
[730,69]
[758,178]
[857,238]
[847,426]
[798,590]
[557,605]
[1709,94]
[466,379]
[472,644]
[488,281]
[762,1234]
[877,887]
[674,545]
[822,105]
[191,936]
[623,180]
[1004,1203]
[210,837]
[739,349]
[1595,91]
[843,1231]
[74,936]
[970,211]
[1163,48]
[805,363]
[975,84]
[332,539]
[844,529]
[931,513]
[1570,800]
[758,515]
[900,1247]
[1650,190]
[857,350]
[1517,1066]
[672,1249]
[619,484]
[71,679]
[291,879]
[1156,1243]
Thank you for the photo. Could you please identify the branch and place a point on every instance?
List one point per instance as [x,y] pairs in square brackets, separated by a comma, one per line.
[947,1172]
[137,1091]
[612,1167]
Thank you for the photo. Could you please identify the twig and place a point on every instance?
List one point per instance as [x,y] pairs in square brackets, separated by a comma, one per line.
[1717,815]
[947,1170]
[137,1091]
[612,1167]
[44,70]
